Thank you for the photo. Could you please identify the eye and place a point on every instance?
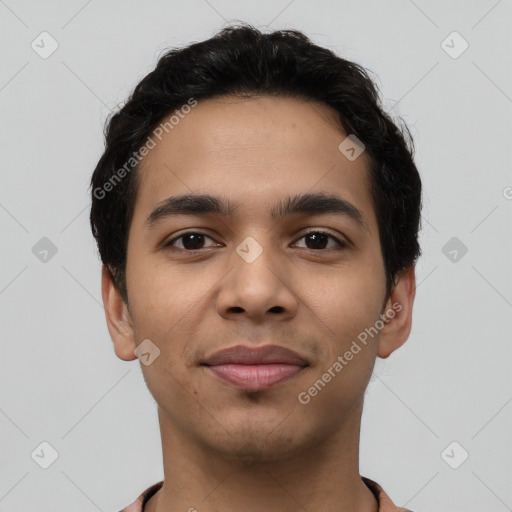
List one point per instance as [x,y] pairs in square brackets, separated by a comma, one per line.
[195,241]
[320,238]
[190,241]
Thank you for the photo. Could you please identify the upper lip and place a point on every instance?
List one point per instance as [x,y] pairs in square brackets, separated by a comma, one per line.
[267,354]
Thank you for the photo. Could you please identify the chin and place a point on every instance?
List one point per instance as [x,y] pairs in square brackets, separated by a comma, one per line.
[261,442]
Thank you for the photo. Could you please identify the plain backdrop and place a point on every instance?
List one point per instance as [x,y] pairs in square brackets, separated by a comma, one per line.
[438,413]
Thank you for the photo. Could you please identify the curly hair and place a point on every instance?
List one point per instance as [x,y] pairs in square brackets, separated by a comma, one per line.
[241,60]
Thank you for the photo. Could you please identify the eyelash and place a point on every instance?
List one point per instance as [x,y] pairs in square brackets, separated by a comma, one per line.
[169,245]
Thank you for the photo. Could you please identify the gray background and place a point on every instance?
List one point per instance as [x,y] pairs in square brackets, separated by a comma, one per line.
[60,379]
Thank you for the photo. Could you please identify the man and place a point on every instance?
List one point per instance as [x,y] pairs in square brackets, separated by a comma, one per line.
[257,215]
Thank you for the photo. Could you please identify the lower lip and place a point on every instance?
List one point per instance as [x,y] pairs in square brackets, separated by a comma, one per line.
[255,377]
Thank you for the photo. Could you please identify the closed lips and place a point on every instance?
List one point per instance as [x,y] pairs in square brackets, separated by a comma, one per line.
[255,369]
[268,354]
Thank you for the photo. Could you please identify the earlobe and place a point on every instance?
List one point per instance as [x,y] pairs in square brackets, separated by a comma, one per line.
[398,311]
[119,321]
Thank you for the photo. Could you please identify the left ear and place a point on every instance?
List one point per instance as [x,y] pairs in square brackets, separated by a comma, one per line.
[398,311]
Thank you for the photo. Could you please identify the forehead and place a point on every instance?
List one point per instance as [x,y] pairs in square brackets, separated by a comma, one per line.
[253,151]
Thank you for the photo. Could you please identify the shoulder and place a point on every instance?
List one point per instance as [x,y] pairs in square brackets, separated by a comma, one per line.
[385,502]
[138,504]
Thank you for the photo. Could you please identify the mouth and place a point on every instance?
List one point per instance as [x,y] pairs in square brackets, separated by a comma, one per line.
[255,369]
[255,377]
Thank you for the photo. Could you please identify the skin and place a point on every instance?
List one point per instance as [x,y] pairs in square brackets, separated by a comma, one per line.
[225,449]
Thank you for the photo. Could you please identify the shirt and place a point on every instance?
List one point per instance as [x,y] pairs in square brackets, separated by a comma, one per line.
[385,503]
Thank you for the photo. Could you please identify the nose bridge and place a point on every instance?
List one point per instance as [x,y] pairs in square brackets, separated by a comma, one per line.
[256,260]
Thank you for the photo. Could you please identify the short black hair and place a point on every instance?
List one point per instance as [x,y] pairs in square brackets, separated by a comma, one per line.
[241,60]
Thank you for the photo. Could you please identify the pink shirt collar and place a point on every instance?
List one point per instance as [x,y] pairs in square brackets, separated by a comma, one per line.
[385,503]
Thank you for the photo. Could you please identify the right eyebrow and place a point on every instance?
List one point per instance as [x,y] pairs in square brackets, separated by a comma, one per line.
[190,204]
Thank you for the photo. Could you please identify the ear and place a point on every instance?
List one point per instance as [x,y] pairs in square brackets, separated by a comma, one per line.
[119,321]
[398,311]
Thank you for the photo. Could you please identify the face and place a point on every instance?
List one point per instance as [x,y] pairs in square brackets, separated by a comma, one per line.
[268,271]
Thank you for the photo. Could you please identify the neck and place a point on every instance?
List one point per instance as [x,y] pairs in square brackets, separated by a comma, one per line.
[320,475]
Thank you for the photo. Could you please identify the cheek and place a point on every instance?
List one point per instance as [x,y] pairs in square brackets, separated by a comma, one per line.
[350,308]
[153,299]
[344,308]
[167,304]
[349,296]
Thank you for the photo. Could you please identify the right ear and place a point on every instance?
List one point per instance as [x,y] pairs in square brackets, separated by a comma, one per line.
[119,321]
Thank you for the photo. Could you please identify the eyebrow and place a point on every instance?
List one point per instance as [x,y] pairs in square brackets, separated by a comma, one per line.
[201,204]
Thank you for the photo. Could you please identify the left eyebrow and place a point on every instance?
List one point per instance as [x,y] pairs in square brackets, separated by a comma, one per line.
[201,204]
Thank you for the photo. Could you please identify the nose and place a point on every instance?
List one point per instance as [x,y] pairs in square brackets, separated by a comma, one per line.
[259,289]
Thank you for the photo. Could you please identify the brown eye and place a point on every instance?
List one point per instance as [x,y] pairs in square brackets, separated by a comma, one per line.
[191,241]
[317,240]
